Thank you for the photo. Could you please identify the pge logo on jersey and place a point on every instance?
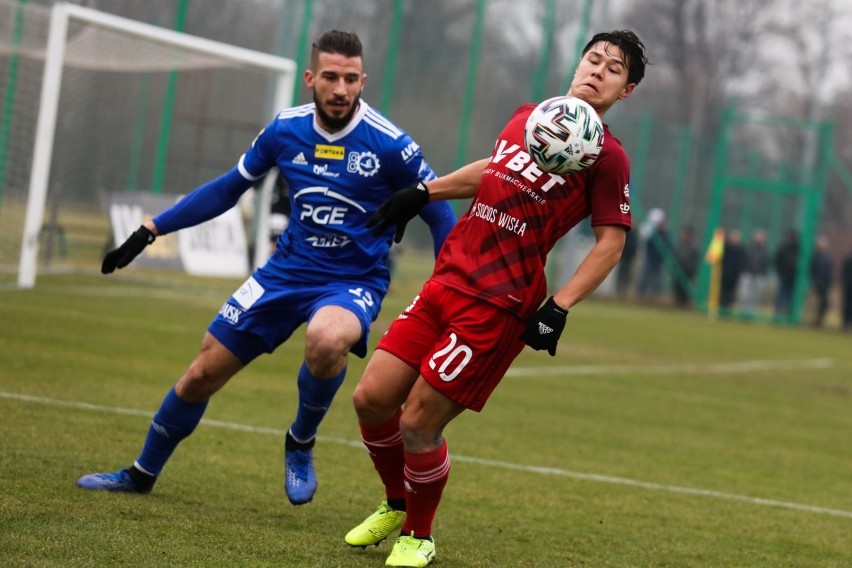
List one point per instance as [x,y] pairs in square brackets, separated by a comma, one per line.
[323,206]
[364,163]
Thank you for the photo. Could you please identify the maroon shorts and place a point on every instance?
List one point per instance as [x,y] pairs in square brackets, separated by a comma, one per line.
[462,346]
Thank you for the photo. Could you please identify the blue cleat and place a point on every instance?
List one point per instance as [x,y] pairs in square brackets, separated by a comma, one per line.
[300,479]
[119,481]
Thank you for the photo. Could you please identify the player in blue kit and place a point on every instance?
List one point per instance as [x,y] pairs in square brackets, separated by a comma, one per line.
[341,159]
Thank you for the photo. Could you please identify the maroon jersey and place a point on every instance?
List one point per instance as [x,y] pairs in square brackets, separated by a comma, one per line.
[498,249]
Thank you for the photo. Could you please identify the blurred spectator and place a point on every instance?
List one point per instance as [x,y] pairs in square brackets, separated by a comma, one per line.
[786,265]
[822,274]
[846,281]
[755,271]
[732,267]
[280,209]
[688,258]
[656,245]
[625,266]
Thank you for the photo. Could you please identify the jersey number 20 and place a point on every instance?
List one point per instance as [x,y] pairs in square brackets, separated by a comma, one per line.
[451,355]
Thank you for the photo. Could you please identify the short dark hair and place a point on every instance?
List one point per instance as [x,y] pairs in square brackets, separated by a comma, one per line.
[336,41]
[632,48]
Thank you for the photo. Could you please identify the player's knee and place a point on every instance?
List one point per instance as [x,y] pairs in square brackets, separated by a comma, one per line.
[370,406]
[325,352]
[364,403]
[199,383]
[417,435]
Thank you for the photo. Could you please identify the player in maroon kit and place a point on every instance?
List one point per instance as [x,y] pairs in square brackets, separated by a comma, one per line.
[452,345]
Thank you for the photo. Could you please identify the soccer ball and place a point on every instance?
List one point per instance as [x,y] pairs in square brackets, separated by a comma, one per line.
[564,135]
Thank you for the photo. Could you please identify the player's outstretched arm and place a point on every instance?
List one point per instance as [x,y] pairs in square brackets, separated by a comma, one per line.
[460,184]
[204,203]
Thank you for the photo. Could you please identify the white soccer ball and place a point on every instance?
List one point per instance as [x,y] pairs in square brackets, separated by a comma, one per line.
[564,135]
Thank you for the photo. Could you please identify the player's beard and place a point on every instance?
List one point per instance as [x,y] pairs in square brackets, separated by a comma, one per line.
[335,123]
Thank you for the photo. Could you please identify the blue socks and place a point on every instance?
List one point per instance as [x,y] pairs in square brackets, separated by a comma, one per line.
[315,396]
[175,420]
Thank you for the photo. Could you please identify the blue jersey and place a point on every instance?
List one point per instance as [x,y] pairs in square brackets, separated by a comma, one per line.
[336,182]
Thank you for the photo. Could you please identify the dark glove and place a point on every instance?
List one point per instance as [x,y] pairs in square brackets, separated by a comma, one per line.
[130,249]
[399,209]
[545,326]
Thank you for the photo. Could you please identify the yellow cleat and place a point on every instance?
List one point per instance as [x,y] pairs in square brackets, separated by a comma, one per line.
[376,527]
[412,552]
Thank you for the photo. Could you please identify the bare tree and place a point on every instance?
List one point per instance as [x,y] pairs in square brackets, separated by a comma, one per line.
[700,52]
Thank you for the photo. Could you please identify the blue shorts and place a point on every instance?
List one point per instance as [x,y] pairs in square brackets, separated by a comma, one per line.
[262,314]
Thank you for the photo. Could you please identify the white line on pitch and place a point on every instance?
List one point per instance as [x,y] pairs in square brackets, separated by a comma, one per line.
[461,458]
[676,369]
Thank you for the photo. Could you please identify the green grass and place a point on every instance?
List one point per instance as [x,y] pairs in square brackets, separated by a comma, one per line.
[650,452]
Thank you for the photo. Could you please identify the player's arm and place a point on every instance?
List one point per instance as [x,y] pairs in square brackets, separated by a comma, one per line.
[460,184]
[599,262]
[544,327]
[202,204]
[205,202]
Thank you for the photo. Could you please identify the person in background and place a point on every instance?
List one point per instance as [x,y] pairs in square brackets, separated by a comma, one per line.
[688,258]
[846,283]
[279,210]
[657,245]
[732,266]
[341,159]
[624,272]
[822,273]
[754,274]
[786,267]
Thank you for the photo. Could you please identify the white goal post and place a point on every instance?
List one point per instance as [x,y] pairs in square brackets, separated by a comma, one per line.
[183,46]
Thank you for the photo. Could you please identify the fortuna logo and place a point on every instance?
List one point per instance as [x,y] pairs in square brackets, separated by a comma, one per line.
[300,159]
[543,329]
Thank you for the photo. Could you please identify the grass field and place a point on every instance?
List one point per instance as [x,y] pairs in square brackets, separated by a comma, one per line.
[654,439]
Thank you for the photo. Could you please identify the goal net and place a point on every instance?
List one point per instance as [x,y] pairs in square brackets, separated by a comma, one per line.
[100,110]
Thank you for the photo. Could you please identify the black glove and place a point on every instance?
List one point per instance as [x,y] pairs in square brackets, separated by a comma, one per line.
[545,326]
[130,249]
[399,209]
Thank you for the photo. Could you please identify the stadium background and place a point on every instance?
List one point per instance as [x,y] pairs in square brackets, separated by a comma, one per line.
[738,124]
